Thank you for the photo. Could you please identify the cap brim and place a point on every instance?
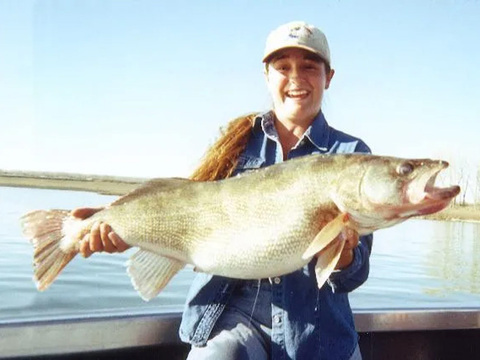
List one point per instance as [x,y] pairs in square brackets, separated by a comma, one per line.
[269,56]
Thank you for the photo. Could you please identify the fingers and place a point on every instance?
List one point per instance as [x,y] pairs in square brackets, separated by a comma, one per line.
[96,243]
[83,213]
[84,249]
[112,243]
[101,238]
[351,239]
[92,242]
[117,241]
[349,236]
[107,244]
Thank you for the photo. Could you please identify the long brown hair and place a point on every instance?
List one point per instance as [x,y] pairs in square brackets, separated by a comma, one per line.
[221,158]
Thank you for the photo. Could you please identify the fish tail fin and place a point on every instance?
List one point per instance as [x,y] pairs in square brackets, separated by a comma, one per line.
[44,229]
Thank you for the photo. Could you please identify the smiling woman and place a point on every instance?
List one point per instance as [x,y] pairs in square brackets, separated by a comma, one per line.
[298,71]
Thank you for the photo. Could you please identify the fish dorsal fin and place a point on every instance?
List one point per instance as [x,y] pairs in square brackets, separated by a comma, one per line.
[327,260]
[161,184]
[151,272]
[326,235]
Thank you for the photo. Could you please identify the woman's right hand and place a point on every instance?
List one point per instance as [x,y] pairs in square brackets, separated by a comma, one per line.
[101,236]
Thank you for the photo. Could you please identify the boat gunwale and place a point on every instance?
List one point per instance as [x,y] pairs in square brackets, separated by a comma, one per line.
[116,332]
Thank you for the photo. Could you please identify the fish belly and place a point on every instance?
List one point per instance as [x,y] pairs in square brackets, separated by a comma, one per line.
[251,254]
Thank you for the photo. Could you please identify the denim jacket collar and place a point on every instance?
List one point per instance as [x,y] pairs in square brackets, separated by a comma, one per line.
[317,133]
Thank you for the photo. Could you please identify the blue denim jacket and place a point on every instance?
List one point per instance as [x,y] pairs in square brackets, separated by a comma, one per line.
[310,322]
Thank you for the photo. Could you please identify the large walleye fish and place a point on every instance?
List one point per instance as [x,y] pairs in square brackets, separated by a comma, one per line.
[260,224]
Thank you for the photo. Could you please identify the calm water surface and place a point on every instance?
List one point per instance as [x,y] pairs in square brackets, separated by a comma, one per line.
[417,264]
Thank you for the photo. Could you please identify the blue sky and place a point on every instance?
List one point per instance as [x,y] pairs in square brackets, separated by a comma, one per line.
[140,88]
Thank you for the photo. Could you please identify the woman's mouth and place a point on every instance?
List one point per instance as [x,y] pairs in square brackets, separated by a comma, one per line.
[297,94]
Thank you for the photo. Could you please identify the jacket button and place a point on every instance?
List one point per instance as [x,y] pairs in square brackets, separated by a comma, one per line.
[277,319]
[277,280]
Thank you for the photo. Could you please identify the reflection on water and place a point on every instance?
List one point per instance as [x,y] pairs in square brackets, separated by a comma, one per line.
[423,264]
[455,258]
[417,264]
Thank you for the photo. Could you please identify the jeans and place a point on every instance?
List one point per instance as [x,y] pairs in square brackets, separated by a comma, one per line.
[243,330]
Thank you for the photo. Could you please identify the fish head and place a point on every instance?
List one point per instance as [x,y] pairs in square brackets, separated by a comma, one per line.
[390,190]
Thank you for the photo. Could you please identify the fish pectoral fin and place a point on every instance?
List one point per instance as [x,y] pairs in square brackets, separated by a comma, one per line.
[327,260]
[326,235]
[151,272]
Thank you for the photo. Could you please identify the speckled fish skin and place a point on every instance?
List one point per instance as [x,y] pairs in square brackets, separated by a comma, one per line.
[259,224]
[251,226]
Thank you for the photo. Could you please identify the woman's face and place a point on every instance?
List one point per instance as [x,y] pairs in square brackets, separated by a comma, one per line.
[296,81]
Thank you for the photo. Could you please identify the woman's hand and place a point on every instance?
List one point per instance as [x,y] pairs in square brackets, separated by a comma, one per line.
[101,236]
[351,239]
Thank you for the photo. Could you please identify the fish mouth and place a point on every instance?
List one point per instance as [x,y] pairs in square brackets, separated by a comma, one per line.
[437,199]
[423,197]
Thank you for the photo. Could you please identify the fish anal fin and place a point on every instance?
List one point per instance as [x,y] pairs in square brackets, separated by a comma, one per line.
[326,235]
[327,260]
[151,272]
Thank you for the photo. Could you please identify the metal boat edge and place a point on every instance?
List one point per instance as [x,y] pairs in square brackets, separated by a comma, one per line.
[117,332]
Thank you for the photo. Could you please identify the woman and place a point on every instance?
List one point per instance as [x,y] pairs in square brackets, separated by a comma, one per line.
[286,317]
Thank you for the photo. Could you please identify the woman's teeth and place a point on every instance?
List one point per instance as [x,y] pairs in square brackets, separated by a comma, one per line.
[297,93]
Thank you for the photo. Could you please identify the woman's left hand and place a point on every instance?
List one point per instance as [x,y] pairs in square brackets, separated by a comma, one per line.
[351,239]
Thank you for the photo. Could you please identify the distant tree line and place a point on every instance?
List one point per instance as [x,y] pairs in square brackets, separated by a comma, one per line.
[469,181]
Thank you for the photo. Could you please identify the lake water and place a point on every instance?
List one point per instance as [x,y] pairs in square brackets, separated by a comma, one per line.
[415,265]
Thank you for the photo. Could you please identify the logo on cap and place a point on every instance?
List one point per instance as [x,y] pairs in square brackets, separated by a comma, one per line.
[300,31]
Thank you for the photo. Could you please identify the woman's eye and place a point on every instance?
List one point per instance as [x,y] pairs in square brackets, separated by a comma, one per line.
[405,169]
[310,67]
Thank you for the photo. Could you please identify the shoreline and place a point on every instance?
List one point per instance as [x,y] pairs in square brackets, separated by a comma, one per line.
[105,185]
[466,213]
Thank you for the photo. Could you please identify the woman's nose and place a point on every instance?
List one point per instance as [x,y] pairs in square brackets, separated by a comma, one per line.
[295,73]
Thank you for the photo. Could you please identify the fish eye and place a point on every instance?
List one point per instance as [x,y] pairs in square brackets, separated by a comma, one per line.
[405,169]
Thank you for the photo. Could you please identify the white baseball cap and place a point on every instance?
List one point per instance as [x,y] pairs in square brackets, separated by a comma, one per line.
[297,34]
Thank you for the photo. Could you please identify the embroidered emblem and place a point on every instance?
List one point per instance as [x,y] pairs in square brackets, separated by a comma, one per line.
[300,31]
